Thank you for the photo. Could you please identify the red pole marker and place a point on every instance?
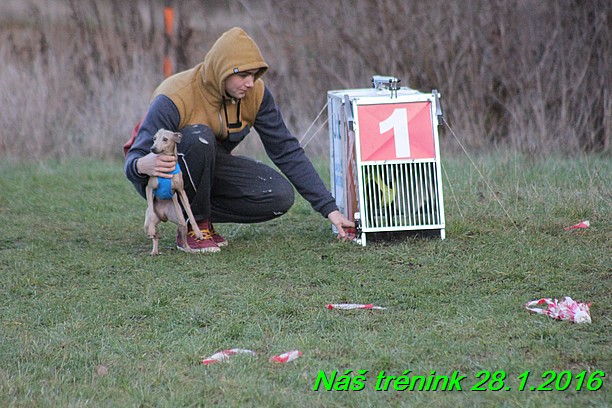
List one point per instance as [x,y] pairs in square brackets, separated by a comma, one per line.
[167,66]
[168,19]
[168,23]
[286,357]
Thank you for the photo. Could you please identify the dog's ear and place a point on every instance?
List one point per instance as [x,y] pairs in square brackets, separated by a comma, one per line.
[177,137]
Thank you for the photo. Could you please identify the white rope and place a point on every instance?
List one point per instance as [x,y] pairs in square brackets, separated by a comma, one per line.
[311,125]
[314,134]
[188,172]
[479,172]
[452,191]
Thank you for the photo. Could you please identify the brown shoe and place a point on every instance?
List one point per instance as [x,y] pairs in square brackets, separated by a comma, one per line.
[219,240]
[198,245]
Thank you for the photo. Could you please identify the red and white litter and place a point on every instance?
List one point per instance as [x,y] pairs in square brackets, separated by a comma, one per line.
[225,354]
[286,357]
[580,225]
[567,309]
[351,306]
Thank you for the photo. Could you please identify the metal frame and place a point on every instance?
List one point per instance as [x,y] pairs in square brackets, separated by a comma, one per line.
[398,194]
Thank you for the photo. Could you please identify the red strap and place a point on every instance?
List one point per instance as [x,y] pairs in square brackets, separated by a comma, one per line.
[130,142]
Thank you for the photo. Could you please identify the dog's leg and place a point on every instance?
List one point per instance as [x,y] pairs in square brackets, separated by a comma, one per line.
[180,221]
[151,221]
[192,221]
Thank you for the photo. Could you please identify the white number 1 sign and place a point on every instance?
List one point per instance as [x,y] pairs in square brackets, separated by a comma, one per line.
[395,131]
[398,122]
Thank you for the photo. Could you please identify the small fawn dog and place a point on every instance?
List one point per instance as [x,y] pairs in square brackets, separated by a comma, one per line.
[162,201]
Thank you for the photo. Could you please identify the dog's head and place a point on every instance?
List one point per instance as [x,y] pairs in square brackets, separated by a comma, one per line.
[165,141]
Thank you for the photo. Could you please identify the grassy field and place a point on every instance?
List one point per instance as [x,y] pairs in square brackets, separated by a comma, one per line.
[80,294]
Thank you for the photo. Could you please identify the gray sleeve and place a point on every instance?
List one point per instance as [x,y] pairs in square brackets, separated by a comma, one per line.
[286,153]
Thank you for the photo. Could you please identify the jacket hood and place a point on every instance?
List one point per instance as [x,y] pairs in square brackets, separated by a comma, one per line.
[233,52]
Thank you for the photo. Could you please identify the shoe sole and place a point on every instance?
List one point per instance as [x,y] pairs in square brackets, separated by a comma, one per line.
[201,250]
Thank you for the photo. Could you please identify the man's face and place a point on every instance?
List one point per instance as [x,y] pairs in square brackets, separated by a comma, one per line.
[237,85]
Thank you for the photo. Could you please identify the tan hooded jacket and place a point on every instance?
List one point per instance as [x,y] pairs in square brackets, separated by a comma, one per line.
[198,93]
[195,97]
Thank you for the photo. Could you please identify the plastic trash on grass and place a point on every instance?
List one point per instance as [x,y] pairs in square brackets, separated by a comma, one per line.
[351,306]
[225,354]
[286,357]
[580,225]
[567,309]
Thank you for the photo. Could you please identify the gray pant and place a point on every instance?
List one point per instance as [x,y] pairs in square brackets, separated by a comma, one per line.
[226,188]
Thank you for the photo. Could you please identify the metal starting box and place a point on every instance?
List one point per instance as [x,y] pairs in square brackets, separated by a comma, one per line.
[385,158]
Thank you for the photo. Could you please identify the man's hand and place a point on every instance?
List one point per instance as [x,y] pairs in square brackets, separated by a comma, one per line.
[340,221]
[156,165]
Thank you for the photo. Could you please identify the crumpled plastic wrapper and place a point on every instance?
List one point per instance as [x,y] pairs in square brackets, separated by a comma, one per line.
[580,225]
[225,354]
[286,357]
[351,306]
[567,309]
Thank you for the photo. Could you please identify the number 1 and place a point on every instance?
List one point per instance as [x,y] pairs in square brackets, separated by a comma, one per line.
[398,121]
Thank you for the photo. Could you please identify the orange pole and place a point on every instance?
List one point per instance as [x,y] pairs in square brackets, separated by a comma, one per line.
[168,22]
[167,67]
[168,19]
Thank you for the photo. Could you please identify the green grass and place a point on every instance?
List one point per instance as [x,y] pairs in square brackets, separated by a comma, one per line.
[79,290]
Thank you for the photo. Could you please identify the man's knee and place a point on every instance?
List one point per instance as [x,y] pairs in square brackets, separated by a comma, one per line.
[197,140]
[284,197]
